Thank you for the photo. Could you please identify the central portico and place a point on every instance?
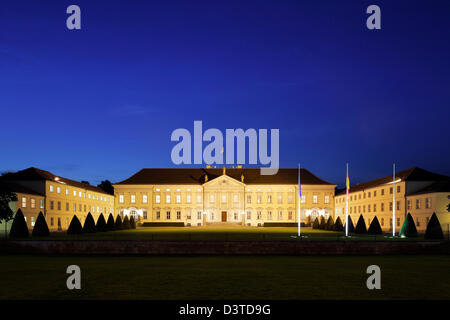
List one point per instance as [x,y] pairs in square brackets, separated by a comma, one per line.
[196,197]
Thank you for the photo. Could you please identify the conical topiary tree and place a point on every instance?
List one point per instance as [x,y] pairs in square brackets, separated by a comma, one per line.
[19,227]
[75,226]
[408,228]
[132,223]
[330,223]
[110,224]
[434,230]
[89,224]
[361,226]
[323,223]
[118,223]
[40,227]
[351,227]
[101,224]
[316,224]
[338,225]
[375,227]
[126,223]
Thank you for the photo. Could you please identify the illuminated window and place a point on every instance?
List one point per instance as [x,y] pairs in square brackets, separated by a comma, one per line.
[211,198]
[188,198]
[269,215]
[133,198]
[235,198]
[144,198]
[199,198]
[74,207]
[258,215]
[258,199]
[74,193]
[67,191]
[41,203]
[327,199]
[178,197]
[303,198]
[89,195]
[32,221]
[224,198]
[51,188]
[33,203]
[24,202]
[79,194]
[158,198]
[58,190]
[269,198]
[121,198]
[315,198]
[249,215]
[167,198]
[249,198]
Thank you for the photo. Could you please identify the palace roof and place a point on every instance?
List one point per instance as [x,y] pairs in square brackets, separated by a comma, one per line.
[252,176]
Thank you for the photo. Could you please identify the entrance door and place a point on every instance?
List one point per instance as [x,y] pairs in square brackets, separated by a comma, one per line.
[224,216]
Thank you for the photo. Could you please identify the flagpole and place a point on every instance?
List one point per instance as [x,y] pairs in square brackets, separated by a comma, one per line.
[393,200]
[346,204]
[299,201]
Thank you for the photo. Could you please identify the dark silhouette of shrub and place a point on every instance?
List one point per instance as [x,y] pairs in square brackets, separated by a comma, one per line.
[89,224]
[316,224]
[323,223]
[110,226]
[19,227]
[408,228]
[351,227]
[361,226]
[330,223]
[338,225]
[375,227]
[118,224]
[434,230]
[75,226]
[101,224]
[126,223]
[132,223]
[40,227]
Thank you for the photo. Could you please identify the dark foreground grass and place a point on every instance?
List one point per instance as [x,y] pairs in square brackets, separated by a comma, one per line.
[225,277]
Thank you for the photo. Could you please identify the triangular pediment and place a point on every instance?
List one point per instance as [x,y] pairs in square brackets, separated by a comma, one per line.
[223,181]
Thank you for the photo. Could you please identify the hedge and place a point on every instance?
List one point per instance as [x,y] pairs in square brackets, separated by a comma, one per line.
[75,226]
[330,223]
[118,223]
[110,225]
[126,223]
[101,224]
[408,228]
[40,228]
[132,223]
[89,224]
[323,223]
[338,225]
[316,224]
[361,226]
[434,230]
[19,227]
[375,227]
[351,227]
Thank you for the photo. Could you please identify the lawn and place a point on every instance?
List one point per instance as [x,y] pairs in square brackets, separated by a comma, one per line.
[225,277]
[214,233]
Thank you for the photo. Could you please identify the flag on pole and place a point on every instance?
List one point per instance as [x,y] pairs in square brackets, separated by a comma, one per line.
[299,201]
[347,184]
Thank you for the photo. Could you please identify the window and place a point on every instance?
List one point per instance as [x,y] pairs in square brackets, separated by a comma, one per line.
[41,203]
[133,198]
[144,198]
[51,221]
[75,207]
[58,190]
[249,215]
[67,191]
[390,206]
[417,204]
[211,198]
[178,215]
[168,215]
[398,222]
[280,198]
[33,203]
[158,198]
[269,198]
[188,198]
[79,194]
[382,207]
[258,215]
[368,194]
[408,204]
[382,192]
[89,195]
[427,203]
[178,198]
[158,215]
[32,221]
[199,198]
[280,215]
[212,215]
[382,221]
[80,208]
[52,205]
[390,190]
[235,216]
[398,205]
[375,193]
[269,215]
[84,208]
[224,198]
[235,198]
[98,209]
[167,198]
[374,207]
[327,199]
[290,216]
[51,188]
[59,205]
[418,222]
[303,198]
[290,198]
[24,202]
[398,189]
[199,215]
[249,198]
[315,198]
[368,209]
[258,199]
[74,193]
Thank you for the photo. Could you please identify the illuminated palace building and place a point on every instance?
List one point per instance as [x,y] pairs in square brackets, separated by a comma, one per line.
[417,191]
[198,197]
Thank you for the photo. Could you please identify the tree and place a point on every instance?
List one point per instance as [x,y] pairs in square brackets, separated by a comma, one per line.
[338,225]
[101,224]
[408,228]
[448,207]
[132,223]
[40,227]
[361,226]
[434,230]
[6,213]
[118,224]
[323,223]
[89,224]
[330,223]
[351,227]
[126,223]
[375,227]
[110,224]
[316,224]
[75,226]
[85,182]
[19,227]
[107,186]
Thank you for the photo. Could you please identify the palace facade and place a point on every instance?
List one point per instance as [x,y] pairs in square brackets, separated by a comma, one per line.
[58,198]
[417,191]
[196,197]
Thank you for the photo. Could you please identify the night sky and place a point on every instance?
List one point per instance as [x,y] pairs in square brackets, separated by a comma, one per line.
[101,102]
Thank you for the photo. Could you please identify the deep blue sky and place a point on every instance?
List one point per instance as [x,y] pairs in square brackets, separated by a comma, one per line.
[102,102]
